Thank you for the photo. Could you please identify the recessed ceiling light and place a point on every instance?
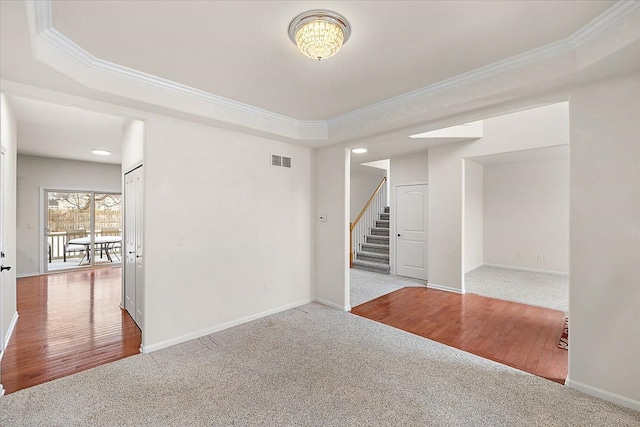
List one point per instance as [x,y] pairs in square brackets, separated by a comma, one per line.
[359,150]
[101,152]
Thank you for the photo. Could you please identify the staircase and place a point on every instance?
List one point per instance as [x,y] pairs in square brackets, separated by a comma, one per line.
[373,254]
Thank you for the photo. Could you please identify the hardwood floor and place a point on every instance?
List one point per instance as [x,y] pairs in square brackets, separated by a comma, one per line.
[68,322]
[521,336]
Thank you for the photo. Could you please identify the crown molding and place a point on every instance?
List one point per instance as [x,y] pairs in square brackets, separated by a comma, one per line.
[262,120]
[536,55]
[63,43]
[605,21]
[557,57]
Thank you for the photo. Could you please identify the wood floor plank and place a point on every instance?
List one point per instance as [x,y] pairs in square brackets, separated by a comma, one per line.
[521,336]
[68,322]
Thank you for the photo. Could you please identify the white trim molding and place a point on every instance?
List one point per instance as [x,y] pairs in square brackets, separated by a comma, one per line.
[544,64]
[332,305]
[218,328]
[61,53]
[12,326]
[603,394]
[23,275]
[444,288]
[533,270]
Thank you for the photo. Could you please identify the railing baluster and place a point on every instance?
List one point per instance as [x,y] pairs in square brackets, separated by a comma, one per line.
[367,217]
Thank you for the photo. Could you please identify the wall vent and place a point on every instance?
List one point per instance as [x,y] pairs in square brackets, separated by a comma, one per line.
[281,161]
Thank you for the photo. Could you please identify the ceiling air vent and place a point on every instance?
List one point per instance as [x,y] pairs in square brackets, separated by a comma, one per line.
[281,161]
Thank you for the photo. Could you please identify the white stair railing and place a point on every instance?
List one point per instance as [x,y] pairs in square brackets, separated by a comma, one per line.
[363,222]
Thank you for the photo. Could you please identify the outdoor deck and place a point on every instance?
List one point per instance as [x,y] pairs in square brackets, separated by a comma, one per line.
[74,262]
[58,261]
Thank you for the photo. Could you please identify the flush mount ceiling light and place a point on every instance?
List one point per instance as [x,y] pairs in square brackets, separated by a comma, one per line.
[101,152]
[359,150]
[319,34]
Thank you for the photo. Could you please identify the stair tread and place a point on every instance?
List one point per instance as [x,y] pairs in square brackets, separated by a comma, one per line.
[373,254]
[370,263]
[376,245]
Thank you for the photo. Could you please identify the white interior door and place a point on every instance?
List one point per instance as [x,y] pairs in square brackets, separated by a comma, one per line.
[2,343]
[139,270]
[2,314]
[133,245]
[411,230]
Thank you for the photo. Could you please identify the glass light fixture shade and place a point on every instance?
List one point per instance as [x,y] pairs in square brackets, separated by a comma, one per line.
[319,34]
[101,152]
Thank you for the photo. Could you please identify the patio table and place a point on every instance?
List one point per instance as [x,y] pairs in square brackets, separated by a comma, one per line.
[107,242]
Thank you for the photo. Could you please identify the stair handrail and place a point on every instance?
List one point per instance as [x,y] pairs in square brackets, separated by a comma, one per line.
[365,212]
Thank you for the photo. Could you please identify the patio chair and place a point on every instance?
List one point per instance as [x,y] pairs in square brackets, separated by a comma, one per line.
[74,234]
[112,246]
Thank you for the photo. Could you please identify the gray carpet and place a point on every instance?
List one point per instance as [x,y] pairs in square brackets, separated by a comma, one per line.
[366,286]
[540,289]
[312,366]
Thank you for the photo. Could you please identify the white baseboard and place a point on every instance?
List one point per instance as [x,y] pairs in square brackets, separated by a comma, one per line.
[23,275]
[444,288]
[603,394]
[218,328]
[12,326]
[534,270]
[332,305]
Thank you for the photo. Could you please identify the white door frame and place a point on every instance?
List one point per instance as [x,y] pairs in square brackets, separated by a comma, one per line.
[43,260]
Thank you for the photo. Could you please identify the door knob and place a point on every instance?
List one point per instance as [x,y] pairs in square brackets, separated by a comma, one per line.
[131,252]
[399,235]
[4,268]
[138,256]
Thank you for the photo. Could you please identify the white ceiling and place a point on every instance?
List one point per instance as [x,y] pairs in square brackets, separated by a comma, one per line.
[240,49]
[51,130]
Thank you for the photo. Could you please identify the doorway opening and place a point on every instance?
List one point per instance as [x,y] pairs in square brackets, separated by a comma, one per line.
[460,244]
[517,227]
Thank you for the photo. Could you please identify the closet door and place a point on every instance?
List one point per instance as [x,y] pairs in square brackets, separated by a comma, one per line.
[133,245]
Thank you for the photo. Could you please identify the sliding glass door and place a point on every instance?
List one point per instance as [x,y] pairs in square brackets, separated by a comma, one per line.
[83,229]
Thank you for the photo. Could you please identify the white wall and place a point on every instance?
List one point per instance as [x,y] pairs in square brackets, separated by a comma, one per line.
[8,141]
[473,215]
[410,168]
[227,236]
[539,127]
[35,173]
[332,170]
[604,289]
[406,169]
[526,213]
[132,145]
[364,181]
